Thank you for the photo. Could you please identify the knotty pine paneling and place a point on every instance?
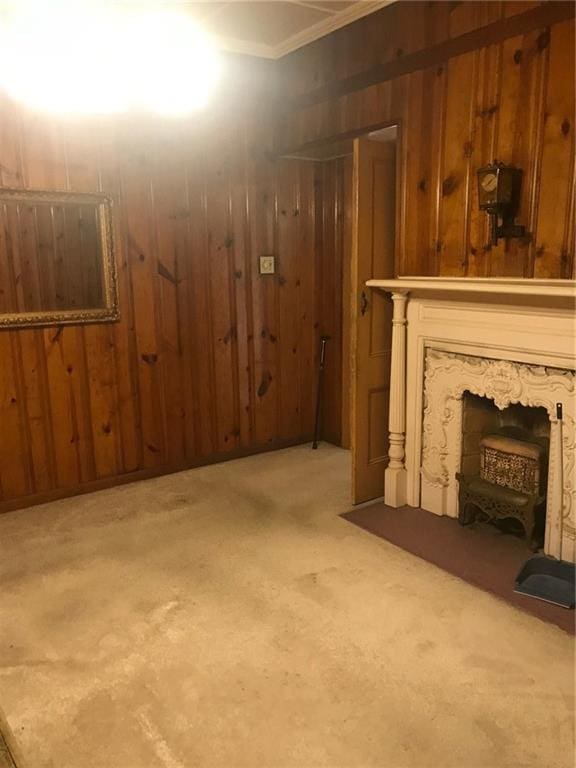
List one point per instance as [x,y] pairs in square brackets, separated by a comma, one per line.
[210,359]
[334,248]
[512,100]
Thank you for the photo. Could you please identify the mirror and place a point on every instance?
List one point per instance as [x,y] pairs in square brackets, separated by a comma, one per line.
[56,258]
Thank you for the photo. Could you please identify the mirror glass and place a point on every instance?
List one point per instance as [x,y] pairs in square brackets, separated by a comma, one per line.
[56,258]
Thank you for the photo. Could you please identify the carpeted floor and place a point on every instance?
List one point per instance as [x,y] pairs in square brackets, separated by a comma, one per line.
[6,760]
[479,554]
[228,617]
[8,757]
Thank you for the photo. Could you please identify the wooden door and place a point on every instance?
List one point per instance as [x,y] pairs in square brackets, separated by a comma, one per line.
[373,247]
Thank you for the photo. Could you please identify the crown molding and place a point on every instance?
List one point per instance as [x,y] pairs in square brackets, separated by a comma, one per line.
[306,36]
[244,47]
[328,25]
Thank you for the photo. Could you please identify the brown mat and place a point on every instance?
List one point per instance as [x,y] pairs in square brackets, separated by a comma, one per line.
[479,554]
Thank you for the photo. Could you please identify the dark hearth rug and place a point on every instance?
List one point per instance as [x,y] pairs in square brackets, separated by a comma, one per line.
[479,554]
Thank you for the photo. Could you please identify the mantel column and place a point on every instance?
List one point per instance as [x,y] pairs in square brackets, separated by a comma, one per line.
[395,474]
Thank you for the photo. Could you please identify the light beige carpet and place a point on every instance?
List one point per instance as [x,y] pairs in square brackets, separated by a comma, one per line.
[8,752]
[6,759]
[228,617]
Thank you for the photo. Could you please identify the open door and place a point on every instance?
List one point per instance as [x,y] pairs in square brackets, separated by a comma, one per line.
[373,248]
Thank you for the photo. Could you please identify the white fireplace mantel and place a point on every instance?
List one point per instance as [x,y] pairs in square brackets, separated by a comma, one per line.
[489,288]
[525,332]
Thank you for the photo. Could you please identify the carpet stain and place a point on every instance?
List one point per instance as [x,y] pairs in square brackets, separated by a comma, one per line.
[425,646]
[158,742]
[497,735]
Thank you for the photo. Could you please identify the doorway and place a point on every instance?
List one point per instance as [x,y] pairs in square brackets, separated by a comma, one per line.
[356,194]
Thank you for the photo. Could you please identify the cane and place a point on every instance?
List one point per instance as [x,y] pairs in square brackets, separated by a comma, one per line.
[323,340]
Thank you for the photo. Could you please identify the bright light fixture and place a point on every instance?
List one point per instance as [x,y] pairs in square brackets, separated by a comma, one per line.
[97,57]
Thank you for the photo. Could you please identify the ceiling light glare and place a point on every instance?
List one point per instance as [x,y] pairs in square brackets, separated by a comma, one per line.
[180,67]
[90,57]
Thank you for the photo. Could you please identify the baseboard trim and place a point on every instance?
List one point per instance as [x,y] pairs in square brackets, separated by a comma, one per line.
[32,500]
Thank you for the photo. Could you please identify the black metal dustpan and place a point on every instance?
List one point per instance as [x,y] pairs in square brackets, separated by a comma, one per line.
[546,579]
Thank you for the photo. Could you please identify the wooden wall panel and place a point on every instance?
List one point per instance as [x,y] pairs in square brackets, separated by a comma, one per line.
[334,182]
[308,278]
[454,211]
[263,236]
[289,309]
[510,99]
[553,244]
[210,359]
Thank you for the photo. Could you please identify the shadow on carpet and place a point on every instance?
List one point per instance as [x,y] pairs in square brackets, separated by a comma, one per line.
[9,755]
[479,554]
[6,756]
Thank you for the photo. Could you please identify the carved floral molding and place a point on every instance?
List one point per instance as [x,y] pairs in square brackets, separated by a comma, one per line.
[448,376]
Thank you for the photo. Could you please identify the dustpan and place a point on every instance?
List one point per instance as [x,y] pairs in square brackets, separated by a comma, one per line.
[544,578]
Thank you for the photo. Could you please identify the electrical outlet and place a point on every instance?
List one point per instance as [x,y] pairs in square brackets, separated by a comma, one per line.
[267,265]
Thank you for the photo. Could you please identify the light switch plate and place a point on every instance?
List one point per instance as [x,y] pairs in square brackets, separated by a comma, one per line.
[267,265]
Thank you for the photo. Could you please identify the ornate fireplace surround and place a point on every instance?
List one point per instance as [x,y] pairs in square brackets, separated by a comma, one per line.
[510,340]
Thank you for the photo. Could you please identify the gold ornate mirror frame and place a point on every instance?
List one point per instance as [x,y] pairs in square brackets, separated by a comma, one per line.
[109,310]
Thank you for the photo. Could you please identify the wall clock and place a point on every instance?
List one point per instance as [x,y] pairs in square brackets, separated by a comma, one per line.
[499,195]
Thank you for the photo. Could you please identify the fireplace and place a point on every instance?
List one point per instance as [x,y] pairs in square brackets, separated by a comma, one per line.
[504,466]
[481,417]
[449,379]
[508,342]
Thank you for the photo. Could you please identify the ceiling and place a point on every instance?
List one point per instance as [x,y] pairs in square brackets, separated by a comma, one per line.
[271,29]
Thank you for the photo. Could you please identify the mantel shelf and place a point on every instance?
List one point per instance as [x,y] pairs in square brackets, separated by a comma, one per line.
[484,286]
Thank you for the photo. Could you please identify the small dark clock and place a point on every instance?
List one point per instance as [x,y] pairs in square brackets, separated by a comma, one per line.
[499,195]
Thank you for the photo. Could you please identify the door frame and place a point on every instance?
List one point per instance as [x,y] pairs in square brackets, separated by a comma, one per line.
[350,294]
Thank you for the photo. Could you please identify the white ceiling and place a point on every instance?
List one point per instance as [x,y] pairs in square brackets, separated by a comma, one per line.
[270,29]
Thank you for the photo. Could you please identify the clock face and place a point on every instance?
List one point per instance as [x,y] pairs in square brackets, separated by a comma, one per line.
[489,182]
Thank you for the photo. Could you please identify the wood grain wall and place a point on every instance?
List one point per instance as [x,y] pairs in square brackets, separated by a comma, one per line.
[334,238]
[210,359]
[467,82]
